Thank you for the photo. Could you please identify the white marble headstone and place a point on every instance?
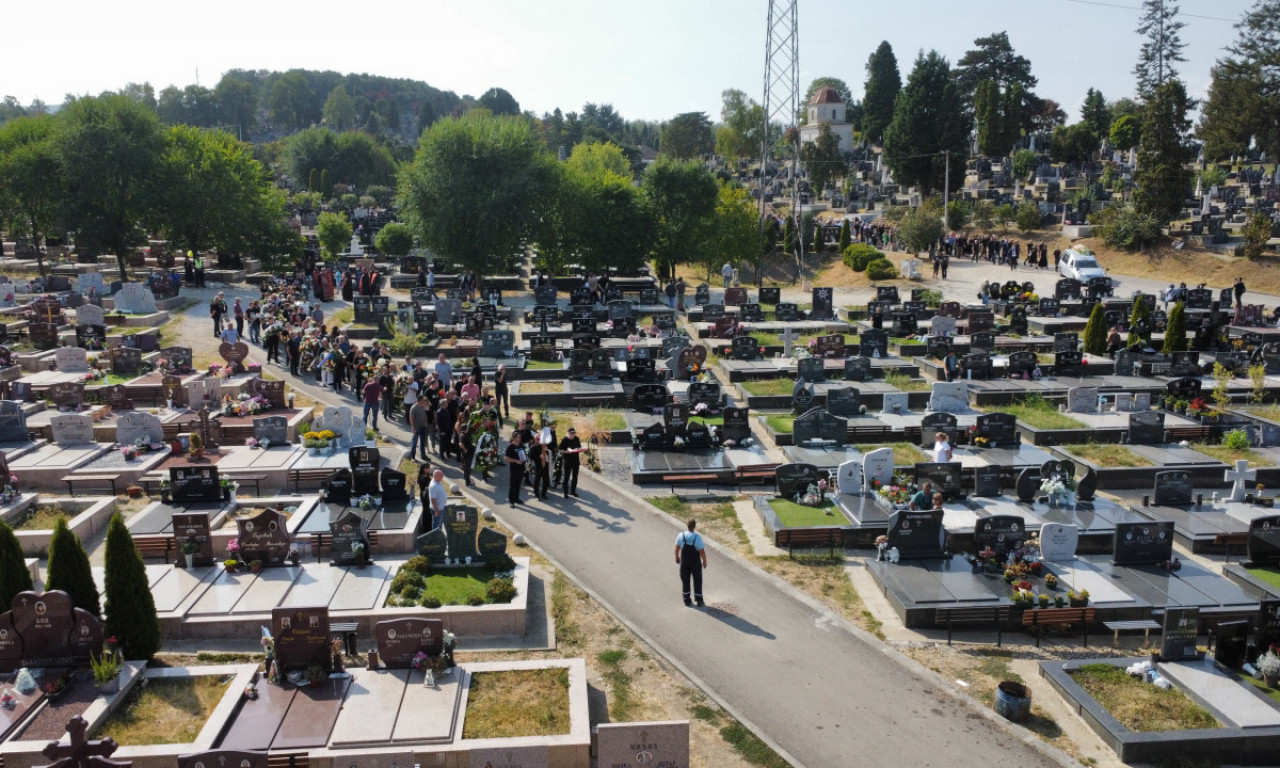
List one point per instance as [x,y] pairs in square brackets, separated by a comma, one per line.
[849,477]
[878,465]
[91,280]
[70,429]
[941,325]
[949,397]
[1239,478]
[895,402]
[1082,399]
[89,314]
[132,425]
[339,420]
[1058,542]
[204,392]
[71,360]
[135,299]
[355,247]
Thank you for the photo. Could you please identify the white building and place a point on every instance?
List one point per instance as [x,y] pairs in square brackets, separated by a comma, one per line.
[826,108]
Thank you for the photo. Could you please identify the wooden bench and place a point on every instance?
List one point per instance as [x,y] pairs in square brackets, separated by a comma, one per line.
[1037,618]
[71,480]
[706,478]
[312,477]
[1228,540]
[1190,434]
[325,541]
[154,545]
[1146,625]
[986,615]
[868,434]
[289,760]
[762,473]
[831,538]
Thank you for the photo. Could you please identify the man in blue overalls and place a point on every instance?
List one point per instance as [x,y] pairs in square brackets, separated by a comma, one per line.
[691,556]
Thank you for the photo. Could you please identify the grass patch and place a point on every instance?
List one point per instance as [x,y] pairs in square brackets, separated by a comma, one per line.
[1270,693]
[541,387]
[1229,456]
[903,453]
[1268,412]
[514,703]
[544,365]
[716,519]
[622,701]
[43,518]
[563,597]
[451,586]
[1107,455]
[781,423]
[344,315]
[1140,706]
[1269,575]
[905,383]
[710,421]
[793,515]
[995,664]
[748,746]
[605,419]
[768,387]
[1035,411]
[164,710]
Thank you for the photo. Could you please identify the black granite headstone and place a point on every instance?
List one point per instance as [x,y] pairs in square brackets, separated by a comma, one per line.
[1145,543]
[986,480]
[265,537]
[1002,533]
[349,531]
[792,479]
[737,424]
[1173,488]
[770,294]
[857,369]
[393,485]
[194,484]
[647,397]
[1181,628]
[843,401]
[917,533]
[999,428]
[811,369]
[1028,485]
[433,545]
[337,489]
[1264,540]
[461,523]
[945,477]
[1146,428]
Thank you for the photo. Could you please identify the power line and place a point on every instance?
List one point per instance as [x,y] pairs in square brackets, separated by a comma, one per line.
[1133,8]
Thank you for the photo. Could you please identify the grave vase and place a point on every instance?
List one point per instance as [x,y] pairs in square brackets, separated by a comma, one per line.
[190,561]
[109,687]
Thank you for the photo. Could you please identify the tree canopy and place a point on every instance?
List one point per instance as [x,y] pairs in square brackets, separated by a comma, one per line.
[499,102]
[682,198]
[993,58]
[822,158]
[882,88]
[31,182]
[928,119]
[743,119]
[1161,47]
[687,135]
[1244,94]
[1162,178]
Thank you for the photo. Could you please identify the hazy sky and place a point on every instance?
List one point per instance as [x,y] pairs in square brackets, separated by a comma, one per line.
[650,59]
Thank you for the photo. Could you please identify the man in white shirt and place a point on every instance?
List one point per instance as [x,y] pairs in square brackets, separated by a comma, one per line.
[410,395]
[444,371]
[438,496]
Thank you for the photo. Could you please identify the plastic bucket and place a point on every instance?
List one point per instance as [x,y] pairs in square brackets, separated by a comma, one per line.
[1013,701]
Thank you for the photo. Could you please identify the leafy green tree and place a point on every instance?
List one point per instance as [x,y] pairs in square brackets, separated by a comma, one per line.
[340,110]
[682,197]
[500,102]
[598,160]
[736,231]
[928,119]
[882,88]
[395,239]
[1095,331]
[1126,131]
[846,235]
[1024,162]
[1125,227]
[987,109]
[1005,214]
[473,188]
[687,136]
[1256,233]
[111,148]
[1175,332]
[292,104]
[1028,216]
[14,576]
[822,158]
[193,105]
[984,213]
[1017,113]
[69,569]
[237,99]
[1244,95]
[334,232]
[130,608]
[1162,177]
[994,59]
[31,177]
[921,227]
[354,158]
[957,215]
[1096,114]
[742,118]
[1073,145]
[213,193]
[1140,315]
[789,235]
[1161,47]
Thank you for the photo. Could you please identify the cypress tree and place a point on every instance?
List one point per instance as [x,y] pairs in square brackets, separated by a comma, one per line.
[789,235]
[846,236]
[1140,314]
[69,569]
[14,576]
[1175,334]
[883,84]
[131,611]
[1095,331]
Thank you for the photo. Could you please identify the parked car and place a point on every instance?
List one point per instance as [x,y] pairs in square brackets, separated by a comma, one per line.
[1081,264]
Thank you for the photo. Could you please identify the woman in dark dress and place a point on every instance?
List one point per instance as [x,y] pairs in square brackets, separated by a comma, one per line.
[348,285]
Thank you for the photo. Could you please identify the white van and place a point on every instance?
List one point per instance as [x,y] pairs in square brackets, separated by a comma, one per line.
[1080,263]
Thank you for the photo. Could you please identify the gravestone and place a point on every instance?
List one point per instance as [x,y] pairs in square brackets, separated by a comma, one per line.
[394,487]
[46,629]
[545,295]
[1002,533]
[271,391]
[984,341]
[1264,541]
[66,395]
[194,527]
[1184,364]
[1146,428]
[937,347]
[71,429]
[13,422]
[887,293]
[823,308]
[724,327]
[337,489]
[873,343]
[174,393]
[1145,543]
[491,543]
[745,348]
[877,467]
[1027,485]
[497,343]
[1018,321]
[461,522]
[802,396]
[234,355]
[917,533]
[340,421]
[819,425]
[702,295]
[1049,307]
[986,480]
[274,429]
[980,321]
[580,296]
[1068,364]
[786,312]
[22,392]
[204,393]
[945,477]
[1173,488]
[265,537]
[178,359]
[697,436]
[1180,631]
[895,402]
[905,324]
[1065,342]
[737,425]
[579,363]
[1058,542]
[949,397]
[364,463]
[619,310]
[977,365]
[642,369]
[134,425]
[146,342]
[399,640]
[532,756]
[641,745]
[349,531]
[857,369]
[647,397]
[654,437]
[690,359]
[135,299]
[849,477]
[91,280]
[811,369]
[194,485]
[999,428]
[1184,389]
[126,361]
[1124,363]
[735,296]
[602,363]
[449,311]
[941,325]
[932,423]
[301,638]
[843,401]
[71,360]
[673,344]
[770,294]
[433,545]
[791,480]
[1082,399]
[830,345]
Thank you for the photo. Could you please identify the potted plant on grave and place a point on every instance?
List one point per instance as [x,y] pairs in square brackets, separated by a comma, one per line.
[1058,600]
[255,566]
[370,437]
[197,446]
[1180,406]
[1269,667]
[1050,582]
[358,549]
[189,549]
[1044,600]
[1078,599]
[106,672]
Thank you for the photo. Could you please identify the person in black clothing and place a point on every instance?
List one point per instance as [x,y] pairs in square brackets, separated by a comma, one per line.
[570,448]
[1238,289]
[477,373]
[294,350]
[501,391]
[388,383]
[348,286]
[444,427]
[466,450]
[515,457]
[542,465]
[339,370]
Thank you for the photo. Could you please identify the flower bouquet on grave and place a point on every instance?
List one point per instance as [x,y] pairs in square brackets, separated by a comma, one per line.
[251,442]
[366,502]
[9,492]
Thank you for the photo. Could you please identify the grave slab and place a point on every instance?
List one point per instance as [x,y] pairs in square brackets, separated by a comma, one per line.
[371,691]
[256,725]
[311,717]
[267,590]
[314,586]
[434,710]
[223,594]
[359,591]
[1228,696]
[176,586]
